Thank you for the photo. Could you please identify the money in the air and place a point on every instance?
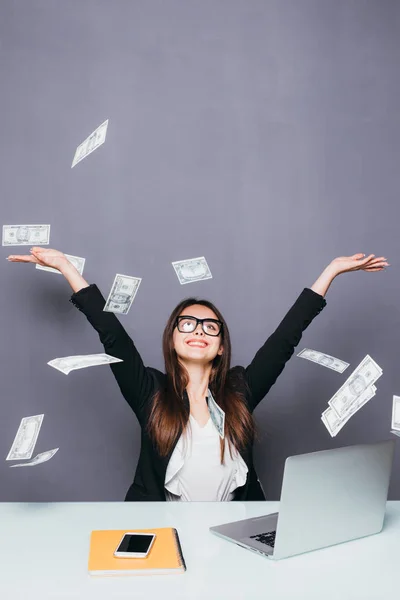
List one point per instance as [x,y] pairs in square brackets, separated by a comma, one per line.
[396,413]
[334,424]
[67,364]
[26,438]
[95,139]
[336,364]
[217,415]
[192,269]
[26,235]
[122,294]
[39,459]
[365,374]
[77,261]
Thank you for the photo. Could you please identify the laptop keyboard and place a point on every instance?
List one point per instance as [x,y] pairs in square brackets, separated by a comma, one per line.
[265,538]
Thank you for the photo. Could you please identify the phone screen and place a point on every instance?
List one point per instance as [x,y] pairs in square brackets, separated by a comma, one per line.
[135,543]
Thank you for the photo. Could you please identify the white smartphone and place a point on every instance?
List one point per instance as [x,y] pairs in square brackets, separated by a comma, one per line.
[135,545]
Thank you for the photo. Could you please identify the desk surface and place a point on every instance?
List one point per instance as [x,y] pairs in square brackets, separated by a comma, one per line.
[44,552]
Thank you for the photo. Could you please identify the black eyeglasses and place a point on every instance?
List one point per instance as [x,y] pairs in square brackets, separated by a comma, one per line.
[187,324]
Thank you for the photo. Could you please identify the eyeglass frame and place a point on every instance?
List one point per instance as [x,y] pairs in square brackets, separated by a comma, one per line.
[201,321]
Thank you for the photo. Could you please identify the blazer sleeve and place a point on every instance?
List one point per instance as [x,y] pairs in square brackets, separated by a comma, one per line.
[270,360]
[133,378]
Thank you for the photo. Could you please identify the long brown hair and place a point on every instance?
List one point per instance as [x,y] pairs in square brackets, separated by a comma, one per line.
[169,415]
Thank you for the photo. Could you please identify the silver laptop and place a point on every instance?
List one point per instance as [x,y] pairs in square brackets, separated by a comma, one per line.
[327,498]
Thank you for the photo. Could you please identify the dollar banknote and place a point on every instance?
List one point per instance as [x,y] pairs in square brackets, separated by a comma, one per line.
[367,373]
[67,364]
[396,413]
[217,415]
[77,261]
[122,294]
[39,459]
[334,424]
[26,235]
[336,364]
[192,269]
[95,139]
[26,437]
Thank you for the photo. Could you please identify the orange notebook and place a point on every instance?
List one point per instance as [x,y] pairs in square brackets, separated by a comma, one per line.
[165,556]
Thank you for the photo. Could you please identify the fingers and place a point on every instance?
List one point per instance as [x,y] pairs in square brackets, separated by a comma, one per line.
[37,251]
[367,259]
[38,254]
[377,265]
[21,258]
[371,259]
[45,250]
[380,262]
[371,269]
[380,259]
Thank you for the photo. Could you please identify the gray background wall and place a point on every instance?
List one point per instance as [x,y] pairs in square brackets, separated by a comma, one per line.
[261,134]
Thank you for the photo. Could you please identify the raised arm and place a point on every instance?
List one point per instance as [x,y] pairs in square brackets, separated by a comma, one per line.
[135,381]
[271,359]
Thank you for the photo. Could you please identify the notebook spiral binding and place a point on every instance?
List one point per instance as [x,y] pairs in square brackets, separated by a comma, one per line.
[179,548]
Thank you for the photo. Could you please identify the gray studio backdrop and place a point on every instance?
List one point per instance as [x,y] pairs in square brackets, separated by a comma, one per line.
[261,134]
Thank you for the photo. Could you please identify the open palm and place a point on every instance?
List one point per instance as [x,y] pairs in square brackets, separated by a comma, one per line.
[360,262]
[47,257]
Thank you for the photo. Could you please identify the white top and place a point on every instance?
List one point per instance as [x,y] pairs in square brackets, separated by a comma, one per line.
[195,472]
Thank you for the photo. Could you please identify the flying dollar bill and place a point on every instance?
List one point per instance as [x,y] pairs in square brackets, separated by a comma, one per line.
[26,438]
[26,235]
[192,269]
[334,424]
[77,261]
[396,413]
[336,364]
[39,459]
[67,364]
[122,294]
[95,139]
[367,373]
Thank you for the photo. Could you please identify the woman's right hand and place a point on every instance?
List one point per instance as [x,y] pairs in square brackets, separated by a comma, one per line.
[46,257]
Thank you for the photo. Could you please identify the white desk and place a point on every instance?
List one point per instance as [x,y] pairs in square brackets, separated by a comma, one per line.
[44,552]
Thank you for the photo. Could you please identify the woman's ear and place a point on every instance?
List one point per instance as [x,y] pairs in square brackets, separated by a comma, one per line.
[220,350]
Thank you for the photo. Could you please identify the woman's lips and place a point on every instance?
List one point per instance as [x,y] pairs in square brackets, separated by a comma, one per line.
[197,344]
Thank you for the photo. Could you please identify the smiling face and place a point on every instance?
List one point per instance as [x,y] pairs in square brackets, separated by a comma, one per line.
[197,346]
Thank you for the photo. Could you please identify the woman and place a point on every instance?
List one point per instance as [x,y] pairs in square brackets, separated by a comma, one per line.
[182,455]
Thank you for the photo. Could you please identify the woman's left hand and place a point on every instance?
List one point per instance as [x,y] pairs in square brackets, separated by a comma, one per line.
[358,262]
[344,264]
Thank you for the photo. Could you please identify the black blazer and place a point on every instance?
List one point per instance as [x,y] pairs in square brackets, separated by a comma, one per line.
[139,383]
